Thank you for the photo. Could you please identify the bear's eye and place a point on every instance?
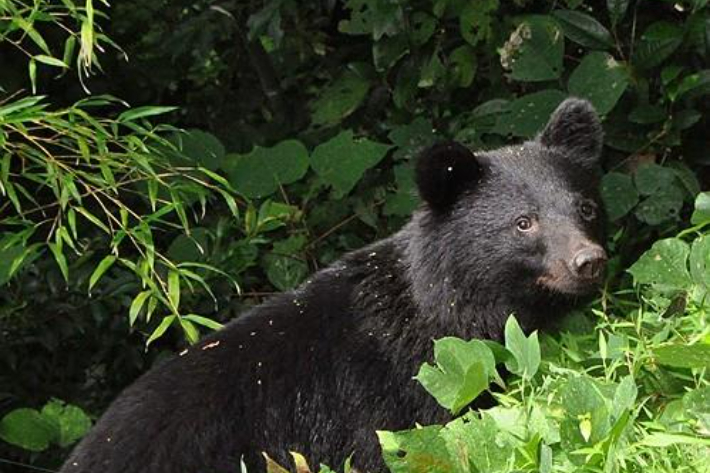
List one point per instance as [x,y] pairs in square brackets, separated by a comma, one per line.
[524,224]
[588,210]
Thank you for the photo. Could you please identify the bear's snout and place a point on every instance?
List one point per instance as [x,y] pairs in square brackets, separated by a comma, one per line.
[589,262]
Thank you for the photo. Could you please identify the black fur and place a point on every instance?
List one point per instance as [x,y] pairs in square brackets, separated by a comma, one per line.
[443,172]
[319,369]
[575,129]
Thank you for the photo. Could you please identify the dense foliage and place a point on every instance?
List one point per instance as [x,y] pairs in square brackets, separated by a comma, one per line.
[267,138]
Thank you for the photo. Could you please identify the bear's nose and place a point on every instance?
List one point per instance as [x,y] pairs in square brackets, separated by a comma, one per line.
[589,262]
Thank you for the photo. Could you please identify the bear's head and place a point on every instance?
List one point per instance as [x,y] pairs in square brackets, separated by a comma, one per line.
[525,220]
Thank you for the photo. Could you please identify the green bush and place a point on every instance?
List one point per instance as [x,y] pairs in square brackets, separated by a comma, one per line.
[285,136]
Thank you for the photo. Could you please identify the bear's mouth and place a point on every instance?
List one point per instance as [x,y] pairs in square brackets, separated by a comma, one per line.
[560,280]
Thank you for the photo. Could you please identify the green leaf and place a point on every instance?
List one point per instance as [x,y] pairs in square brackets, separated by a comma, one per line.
[617,9]
[339,99]
[263,170]
[60,259]
[525,350]
[618,194]
[657,43]
[586,415]
[417,450]
[463,371]
[405,199]
[534,51]
[584,30]
[412,139]
[204,321]
[342,161]
[701,214]
[652,178]
[143,112]
[285,272]
[174,289]
[664,440]
[665,264]
[200,148]
[683,356]
[101,268]
[191,333]
[160,329]
[600,79]
[699,262]
[661,207]
[73,422]
[463,65]
[27,429]
[137,305]
[476,21]
[482,442]
[528,114]
[50,61]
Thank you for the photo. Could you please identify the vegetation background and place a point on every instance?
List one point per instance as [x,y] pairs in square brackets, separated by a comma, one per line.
[165,164]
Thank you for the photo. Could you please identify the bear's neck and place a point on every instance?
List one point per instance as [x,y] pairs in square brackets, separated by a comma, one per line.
[464,303]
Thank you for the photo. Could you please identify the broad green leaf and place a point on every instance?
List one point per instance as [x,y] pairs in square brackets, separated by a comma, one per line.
[586,415]
[342,161]
[261,172]
[201,148]
[584,30]
[699,262]
[525,350]
[340,99]
[619,194]
[652,178]
[412,139]
[73,422]
[534,51]
[600,79]
[665,264]
[657,43]
[476,21]
[624,397]
[684,356]
[417,450]
[528,114]
[405,199]
[697,406]
[378,18]
[661,207]
[285,272]
[617,9]
[463,64]
[27,429]
[422,27]
[480,442]
[101,268]
[143,112]
[463,370]
[701,214]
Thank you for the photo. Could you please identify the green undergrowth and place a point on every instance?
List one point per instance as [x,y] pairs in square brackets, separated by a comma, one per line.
[623,387]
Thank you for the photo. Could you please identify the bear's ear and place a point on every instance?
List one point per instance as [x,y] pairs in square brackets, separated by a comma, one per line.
[575,128]
[443,171]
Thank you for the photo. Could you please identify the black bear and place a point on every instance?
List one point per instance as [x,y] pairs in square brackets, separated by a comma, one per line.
[319,369]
